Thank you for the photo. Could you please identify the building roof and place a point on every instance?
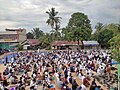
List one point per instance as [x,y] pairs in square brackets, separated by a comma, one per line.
[19,29]
[90,43]
[33,42]
[63,43]
[7,32]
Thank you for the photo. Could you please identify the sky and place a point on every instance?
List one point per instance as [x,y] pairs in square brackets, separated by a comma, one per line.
[29,14]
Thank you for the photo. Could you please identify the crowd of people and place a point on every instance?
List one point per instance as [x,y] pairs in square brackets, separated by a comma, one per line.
[56,69]
[2,51]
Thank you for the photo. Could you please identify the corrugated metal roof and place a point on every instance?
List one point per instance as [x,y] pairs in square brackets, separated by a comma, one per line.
[33,42]
[86,43]
[63,43]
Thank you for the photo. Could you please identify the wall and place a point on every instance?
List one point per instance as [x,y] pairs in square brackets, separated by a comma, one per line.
[4,45]
[8,38]
[22,36]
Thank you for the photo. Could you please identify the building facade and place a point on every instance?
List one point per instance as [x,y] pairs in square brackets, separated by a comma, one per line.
[63,45]
[11,37]
[91,45]
[73,45]
[30,44]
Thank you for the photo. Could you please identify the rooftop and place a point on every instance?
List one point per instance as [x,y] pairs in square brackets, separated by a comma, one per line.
[33,42]
[19,29]
[63,43]
[90,43]
[7,32]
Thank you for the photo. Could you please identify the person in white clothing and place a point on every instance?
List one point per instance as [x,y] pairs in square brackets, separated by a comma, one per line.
[12,59]
[82,87]
[83,78]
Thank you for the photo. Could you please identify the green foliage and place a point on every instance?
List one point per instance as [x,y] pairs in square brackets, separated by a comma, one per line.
[37,33]
[115,45]
[78,20]
[66,34]
[30,35]
[52,16]
[57,35]
[19,47]
[99,27]
[94,37]
[115,53]
[115,41]
[104,33]
[54,22]
[81,33]
[104,36]
[113,27]
[78,28]
[45,40]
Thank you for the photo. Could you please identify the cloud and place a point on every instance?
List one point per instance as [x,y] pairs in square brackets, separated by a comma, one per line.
[31,13]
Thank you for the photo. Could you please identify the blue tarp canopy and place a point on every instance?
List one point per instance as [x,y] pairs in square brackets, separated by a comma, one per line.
[114,62]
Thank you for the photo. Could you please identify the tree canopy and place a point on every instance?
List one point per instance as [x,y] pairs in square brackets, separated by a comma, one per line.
[54,22]
[78,28]
[115,44]
[37,33]
[30,35]
[99,27]
[115,47]
[45,40]
[104,33]
[104,36]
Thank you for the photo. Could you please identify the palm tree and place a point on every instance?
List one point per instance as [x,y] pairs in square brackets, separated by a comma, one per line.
[45,40]
[37,33]
[53,21]
[118,25]
[99,26]
[30,35]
